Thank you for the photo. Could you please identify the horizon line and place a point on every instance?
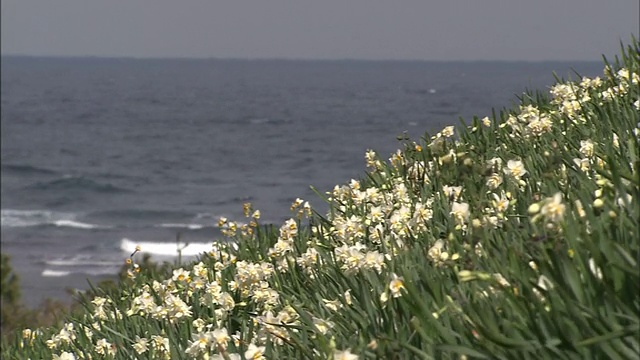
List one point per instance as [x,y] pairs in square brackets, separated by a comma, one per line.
[284,59]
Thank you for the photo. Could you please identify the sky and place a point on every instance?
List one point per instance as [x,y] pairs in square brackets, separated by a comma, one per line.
[531,30]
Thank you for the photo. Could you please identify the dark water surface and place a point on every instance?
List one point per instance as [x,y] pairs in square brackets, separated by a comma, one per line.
[101,154]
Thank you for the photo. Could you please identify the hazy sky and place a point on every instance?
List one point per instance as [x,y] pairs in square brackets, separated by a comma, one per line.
[321,29]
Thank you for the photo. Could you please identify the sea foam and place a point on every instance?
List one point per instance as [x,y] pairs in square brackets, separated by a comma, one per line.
[82,262]
[55,273]
[24,218]
[77,224]
[164,248]
[182,226]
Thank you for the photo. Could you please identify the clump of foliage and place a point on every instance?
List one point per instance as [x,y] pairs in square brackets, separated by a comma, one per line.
[14,315]
[9,287]
[9,290]
[514,237]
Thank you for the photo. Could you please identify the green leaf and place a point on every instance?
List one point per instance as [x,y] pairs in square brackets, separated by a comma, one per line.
[463,350]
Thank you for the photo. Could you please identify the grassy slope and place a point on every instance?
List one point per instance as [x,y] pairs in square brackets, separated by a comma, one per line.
[442,252]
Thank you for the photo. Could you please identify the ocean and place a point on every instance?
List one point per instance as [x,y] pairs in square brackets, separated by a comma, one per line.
[99,155]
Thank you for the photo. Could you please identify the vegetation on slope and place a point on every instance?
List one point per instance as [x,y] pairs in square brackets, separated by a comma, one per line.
[515,238]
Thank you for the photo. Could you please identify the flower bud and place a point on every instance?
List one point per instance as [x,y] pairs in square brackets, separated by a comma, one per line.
[446,159]
[598,203]
[466,275]
[484,276]
[534,209]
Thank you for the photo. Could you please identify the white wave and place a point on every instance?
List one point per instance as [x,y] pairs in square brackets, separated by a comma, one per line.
[55,273]
[79,262]
[213,218]
[76,224]
[182,226]
[23,218]
[89,272]
[164,248]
